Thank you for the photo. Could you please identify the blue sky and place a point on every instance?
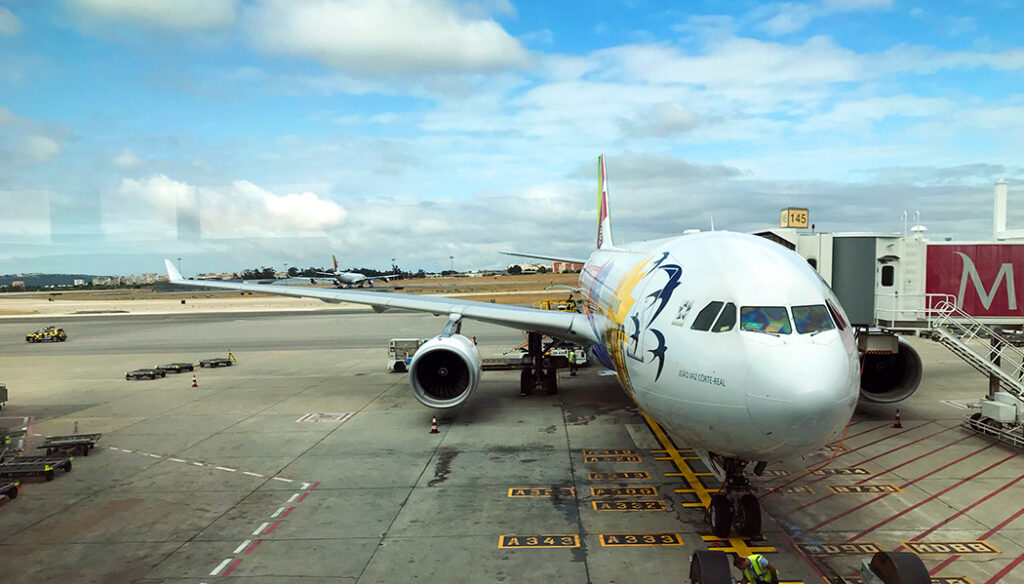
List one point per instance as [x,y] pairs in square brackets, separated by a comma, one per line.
[239,133]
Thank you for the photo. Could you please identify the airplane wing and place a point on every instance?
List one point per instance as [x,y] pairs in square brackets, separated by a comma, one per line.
[386,277]
[562,325]
[546,257]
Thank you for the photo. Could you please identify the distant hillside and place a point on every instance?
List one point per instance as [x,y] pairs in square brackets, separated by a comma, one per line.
[44,279]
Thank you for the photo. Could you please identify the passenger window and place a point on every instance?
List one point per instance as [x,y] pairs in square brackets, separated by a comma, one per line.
[812,319]
[706,316]
[765,319]
[836,316]
[888,275]
[726,320]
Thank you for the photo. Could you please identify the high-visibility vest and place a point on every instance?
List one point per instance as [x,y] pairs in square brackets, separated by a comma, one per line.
[758,571]
[572,356]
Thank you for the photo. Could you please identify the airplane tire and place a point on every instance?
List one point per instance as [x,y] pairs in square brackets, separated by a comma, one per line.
[902,567]
[709,567]
[720,515]
[551,381]
[748,516]
[526,382]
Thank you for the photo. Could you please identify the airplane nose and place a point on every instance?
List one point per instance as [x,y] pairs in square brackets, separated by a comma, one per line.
[802,394]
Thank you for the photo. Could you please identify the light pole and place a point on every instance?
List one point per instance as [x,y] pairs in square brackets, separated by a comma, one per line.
[451,263]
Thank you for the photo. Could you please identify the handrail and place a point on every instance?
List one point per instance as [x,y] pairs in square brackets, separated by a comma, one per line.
[925,306]
[963,328]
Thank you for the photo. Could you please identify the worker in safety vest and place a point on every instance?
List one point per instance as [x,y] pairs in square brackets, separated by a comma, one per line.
[572,361]
[756,569]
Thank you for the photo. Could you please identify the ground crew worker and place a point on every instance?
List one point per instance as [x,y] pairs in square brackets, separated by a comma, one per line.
[756,569]
[572,362]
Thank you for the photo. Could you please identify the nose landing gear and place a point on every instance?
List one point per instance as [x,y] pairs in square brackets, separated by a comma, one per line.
[735,506]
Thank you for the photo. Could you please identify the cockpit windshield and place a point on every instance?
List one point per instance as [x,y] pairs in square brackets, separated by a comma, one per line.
[812,319]
[765,319]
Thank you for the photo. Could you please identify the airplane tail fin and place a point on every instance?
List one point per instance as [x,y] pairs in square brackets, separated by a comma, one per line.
[604,222]
[335,263]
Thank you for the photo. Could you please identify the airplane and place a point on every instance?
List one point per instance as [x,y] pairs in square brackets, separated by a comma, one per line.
[350,279]
[729,341]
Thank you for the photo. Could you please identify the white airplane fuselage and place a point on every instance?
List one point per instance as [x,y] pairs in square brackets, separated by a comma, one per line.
[742,393]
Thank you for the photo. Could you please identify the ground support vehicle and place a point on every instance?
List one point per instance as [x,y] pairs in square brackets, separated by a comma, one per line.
[176,367]
[8,490]
[713,567]
[34,466]
[70,444]
[50,333]
[3,395]
[400,352]
[215,362]
[145,373]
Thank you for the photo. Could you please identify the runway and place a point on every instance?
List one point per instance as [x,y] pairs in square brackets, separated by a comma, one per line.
[308,462]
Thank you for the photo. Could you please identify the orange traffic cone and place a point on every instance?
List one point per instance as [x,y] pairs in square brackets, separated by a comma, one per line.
[433,426]
[194,382]
[899,420]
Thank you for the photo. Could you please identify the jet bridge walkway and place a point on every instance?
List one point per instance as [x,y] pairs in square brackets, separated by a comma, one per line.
[1000,416]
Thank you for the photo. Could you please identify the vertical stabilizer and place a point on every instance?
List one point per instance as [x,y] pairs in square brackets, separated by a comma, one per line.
[604,222]
[335,263]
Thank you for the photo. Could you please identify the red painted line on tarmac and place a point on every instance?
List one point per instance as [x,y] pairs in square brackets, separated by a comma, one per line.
[249,549]
[999,575]
[314,485]
[231,566]
[872,477]
[304,495]
[882,496]
[929,498]
[272,527]
[982,537]
[889,437]
[945,521]
[850,437]
[285,514]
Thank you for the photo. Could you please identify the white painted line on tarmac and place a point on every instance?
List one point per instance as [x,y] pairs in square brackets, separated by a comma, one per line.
[252,474]
[305,486]
[279,511]
[155,456]
[220,567]
[260,529]
[126,450]
[226,468]
[176,459]
[283,480]
[293,497]
[198,464]
[113,448]
[244,545]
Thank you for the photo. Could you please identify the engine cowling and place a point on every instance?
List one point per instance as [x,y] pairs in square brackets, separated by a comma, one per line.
[445,371]
[892,377]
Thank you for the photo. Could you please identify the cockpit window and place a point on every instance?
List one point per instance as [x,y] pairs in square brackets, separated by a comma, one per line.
[706,316]
[836,316]
[812,319]
[765,319]
[726,320]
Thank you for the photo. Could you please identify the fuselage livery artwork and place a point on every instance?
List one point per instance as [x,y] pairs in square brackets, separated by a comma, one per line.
[731,342]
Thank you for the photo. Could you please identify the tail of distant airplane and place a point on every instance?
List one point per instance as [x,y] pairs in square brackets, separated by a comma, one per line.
[335,263]
[604,222]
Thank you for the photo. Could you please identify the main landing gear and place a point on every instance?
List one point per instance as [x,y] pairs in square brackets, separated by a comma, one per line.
[735,506]
[535,376]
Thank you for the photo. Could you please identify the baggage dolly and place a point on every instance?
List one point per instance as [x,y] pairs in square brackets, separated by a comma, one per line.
[8,490]
[70,444]
[34,466]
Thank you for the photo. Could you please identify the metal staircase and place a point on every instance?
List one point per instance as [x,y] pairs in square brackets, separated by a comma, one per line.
[957,330]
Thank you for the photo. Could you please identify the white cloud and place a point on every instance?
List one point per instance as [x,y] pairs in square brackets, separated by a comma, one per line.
[126,160]
[385,36]
[9,23]
[42,148]
[789,17]
[662,120]
[241,209]
[857,114]
[853,5]
[171,14]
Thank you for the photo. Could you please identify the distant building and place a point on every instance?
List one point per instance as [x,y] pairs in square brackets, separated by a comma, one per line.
[18,284]
[79,282]
[559,267]
[531,268]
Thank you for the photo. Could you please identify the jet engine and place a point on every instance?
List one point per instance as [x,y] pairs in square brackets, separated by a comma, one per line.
[445,371]
[890,376]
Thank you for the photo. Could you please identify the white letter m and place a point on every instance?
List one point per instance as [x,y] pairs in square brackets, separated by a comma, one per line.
[1005,271]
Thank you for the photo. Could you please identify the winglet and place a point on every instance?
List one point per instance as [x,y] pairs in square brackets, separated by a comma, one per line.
[172,273]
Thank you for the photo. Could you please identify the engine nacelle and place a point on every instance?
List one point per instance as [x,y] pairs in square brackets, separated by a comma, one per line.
[445,371]
[892,377]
